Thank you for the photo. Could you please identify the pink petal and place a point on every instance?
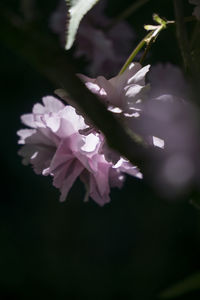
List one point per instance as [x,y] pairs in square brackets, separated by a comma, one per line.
[28,120]
[70,179]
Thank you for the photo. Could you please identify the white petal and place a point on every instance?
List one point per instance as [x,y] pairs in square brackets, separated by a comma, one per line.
[28,120]
[53,122]
[139,77]
[91,143]
[52,104]
[38,109]
[24,133]
[157,142]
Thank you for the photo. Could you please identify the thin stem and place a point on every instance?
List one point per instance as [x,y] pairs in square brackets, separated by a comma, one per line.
[145,52]
[135,52]
[152,39]
[148,39]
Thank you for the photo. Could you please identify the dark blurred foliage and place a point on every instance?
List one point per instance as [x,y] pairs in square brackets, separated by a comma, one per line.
[133,248]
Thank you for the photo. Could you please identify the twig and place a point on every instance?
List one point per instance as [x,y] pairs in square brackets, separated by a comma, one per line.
[44,54]
[148,40]
[146,51]
[134,53]
[182,33]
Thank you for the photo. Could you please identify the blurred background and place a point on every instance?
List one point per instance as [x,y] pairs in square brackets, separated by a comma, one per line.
[133,248]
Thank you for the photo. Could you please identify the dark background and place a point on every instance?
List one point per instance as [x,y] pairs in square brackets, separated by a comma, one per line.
[133,248]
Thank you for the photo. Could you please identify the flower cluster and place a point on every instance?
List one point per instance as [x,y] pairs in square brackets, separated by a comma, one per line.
[123,91]
[64,144]
[56,143]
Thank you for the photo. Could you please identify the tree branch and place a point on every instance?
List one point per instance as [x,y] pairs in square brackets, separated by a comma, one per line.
[45,55]
[182,33]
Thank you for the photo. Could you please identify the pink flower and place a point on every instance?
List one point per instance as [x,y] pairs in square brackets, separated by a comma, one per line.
[123,95]
[54,146]
[167,79]
[123,91]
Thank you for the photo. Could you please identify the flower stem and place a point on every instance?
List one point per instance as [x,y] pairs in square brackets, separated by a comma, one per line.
[134,53]
[148,40]
[145,52]
[47,57]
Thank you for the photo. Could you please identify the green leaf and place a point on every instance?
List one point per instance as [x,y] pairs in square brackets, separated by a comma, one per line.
[187,285]
[76,11]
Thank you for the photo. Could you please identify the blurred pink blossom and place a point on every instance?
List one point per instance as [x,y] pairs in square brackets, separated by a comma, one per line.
[167,79]
[175,122]
[96,41]
[169,116]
